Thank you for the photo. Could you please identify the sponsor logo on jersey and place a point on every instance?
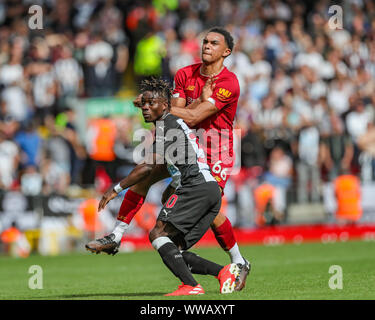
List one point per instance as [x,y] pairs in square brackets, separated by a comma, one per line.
[223,94]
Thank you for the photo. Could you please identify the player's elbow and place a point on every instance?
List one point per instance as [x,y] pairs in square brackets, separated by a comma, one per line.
[147,170]
[142,171]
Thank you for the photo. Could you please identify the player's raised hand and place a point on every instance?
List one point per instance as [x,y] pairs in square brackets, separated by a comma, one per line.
[108,196]
[208,88]
[138,101]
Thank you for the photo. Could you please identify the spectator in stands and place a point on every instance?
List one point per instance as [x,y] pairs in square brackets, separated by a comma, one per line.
[269,118]
[100,75]
[279,175]
[44,85]
[15,242]
[252,150]
[358,121]
[77,150]
[14,101]
[83,12]
[308,167]
[56,148]
[30,143]
[124,148]
[111,20]
[9,159]
[337,149]
[260,77]
[101,138]
[69,75]
[141,18]
[148,56]
[56,179]
[31,181]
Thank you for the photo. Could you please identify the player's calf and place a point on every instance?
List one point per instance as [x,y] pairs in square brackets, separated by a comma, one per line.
[173,259]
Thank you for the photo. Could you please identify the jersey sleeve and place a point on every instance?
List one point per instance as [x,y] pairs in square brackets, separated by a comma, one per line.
[226,92]
[179,84]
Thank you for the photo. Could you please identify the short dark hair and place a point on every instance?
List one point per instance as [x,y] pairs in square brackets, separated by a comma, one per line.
[227,36]
[159,86]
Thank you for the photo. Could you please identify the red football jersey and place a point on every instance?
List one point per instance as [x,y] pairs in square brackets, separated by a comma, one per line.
[218,128]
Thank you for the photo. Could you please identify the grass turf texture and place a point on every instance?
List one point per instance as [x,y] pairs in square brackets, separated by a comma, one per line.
[279,272]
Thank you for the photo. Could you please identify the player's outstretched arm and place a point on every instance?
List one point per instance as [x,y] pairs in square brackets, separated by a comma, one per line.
[140,172]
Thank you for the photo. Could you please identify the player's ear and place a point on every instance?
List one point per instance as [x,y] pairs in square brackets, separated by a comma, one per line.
[227,52]
[165,106]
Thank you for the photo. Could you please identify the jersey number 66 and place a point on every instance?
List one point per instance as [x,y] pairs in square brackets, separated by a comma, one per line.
[218,170]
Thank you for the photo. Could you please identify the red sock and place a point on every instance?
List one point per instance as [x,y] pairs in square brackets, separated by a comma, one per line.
[130,206]
[224,235]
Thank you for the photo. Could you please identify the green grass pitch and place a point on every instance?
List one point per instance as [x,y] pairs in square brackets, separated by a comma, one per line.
[279,272]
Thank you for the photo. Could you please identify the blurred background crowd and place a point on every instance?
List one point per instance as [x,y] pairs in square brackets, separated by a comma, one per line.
[306,110]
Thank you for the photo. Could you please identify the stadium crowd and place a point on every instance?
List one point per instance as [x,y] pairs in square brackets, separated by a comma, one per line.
[307,104]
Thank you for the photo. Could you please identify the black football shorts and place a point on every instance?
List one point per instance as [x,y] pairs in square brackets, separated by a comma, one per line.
[191,210]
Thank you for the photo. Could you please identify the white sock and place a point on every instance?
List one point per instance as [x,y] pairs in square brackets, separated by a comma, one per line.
[119,230]
[235,255]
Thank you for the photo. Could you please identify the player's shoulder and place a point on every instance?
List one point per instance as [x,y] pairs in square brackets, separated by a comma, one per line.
[229,78]
[171,121]
[226,74]
[190,69]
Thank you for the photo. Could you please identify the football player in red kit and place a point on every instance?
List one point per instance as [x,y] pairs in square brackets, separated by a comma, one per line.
[205,96]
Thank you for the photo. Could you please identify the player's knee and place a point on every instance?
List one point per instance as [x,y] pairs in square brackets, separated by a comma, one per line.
[154,234]
[157,231]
